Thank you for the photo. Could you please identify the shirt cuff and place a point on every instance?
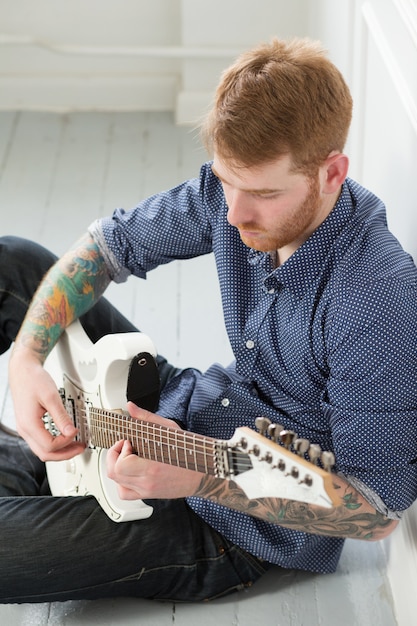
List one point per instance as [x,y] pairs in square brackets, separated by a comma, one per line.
[117,272]
[373,498]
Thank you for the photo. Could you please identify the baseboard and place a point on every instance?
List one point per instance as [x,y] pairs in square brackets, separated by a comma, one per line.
[105,93]
[401,552]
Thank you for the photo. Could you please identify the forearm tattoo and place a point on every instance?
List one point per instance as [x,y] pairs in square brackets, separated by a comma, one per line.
[353,518]
[69,289]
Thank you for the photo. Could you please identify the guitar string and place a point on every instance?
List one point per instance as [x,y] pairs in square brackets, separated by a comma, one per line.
[142,428]
[204,455]
[201,445]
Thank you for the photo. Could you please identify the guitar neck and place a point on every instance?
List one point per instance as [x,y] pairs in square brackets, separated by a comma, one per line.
[153,441]
[260,467]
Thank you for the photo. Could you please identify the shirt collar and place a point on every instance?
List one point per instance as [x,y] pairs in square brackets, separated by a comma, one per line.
[302,268]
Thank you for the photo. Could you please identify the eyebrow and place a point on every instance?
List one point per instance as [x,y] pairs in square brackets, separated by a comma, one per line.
[257,191]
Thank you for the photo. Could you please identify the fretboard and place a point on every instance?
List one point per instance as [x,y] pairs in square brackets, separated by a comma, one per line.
[152,441]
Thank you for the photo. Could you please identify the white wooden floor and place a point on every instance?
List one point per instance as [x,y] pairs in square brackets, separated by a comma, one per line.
[57,173]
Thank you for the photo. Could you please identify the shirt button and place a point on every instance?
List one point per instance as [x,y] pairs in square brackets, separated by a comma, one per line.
[225,402]
[250,344]
[272,290]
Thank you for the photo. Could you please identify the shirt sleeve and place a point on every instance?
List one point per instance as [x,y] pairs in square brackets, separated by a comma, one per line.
[371,396]
[173,224]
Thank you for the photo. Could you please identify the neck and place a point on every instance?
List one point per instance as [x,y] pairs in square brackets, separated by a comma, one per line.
[326,207]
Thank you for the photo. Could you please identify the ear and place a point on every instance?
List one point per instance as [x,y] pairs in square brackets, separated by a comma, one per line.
[334,171]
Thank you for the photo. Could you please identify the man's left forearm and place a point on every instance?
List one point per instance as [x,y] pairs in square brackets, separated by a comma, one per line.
[352,518]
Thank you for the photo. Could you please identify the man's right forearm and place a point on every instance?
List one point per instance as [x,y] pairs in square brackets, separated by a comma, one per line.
[70,288]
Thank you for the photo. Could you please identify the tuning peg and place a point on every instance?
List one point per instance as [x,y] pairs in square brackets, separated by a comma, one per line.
[274,431]
[314,452]
[328,460]
[287,437]
[262,424]
[301,446]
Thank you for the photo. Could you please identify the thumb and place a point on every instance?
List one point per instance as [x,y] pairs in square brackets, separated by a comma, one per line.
[143,414]
[59,419]
[147,416]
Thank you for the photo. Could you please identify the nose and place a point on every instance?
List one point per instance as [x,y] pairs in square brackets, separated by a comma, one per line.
[240,207]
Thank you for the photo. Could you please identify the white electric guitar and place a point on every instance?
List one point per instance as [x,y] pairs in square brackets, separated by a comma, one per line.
[92,381]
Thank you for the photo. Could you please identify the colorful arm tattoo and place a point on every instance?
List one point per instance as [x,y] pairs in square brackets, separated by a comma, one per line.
[70,288]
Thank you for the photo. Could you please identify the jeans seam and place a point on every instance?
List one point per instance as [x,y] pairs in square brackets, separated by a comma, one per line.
[260,566]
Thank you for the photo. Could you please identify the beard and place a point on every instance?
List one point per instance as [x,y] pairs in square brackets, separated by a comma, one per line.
[288,229]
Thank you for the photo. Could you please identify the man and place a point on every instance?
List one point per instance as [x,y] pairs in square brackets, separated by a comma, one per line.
[320,306]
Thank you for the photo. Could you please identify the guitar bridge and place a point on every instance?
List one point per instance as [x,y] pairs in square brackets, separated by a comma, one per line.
[50,425]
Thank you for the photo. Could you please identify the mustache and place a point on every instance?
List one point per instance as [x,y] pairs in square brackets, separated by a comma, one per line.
[250,226]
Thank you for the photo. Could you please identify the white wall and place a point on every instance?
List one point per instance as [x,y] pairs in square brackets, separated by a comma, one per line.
[130,54]
[88,54]
[237,24]
[375,45]
[375,41]
[385,82]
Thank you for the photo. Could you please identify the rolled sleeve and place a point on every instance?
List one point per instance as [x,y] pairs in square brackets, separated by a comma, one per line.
[170,225]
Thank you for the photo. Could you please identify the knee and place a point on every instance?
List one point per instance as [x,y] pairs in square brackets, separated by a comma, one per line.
[24,253]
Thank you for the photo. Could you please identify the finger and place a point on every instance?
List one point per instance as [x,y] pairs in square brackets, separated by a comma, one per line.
[113,455]
[45,439]
[126,449]
[120,449]
[125,493]
[51,438]
[62,454]
[116,449]
[136,411]
[147,416]
[111,458]
[50,448]
[56,411]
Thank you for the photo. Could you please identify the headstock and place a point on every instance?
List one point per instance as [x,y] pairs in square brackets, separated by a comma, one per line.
[279,467]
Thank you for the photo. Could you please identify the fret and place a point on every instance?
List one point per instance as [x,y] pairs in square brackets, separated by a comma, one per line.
[205,459]
[170,446]
[161,446]
[185,457]
[176,455]
[195,457]
[147,452]
[155,447]
[152,441]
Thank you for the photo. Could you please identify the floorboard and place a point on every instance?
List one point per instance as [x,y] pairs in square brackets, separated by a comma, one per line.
[57,174]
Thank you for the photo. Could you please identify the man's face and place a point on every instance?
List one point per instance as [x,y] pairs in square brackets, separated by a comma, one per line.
[272,207]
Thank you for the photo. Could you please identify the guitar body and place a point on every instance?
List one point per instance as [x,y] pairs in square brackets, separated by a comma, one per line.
[92,379]
[94,375]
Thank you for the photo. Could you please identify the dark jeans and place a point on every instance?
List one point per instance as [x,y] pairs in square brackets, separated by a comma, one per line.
[67,548]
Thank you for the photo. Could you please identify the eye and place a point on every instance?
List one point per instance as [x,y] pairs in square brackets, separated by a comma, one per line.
[267,196]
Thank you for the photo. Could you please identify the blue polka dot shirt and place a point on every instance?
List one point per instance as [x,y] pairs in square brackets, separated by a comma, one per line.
[325,345]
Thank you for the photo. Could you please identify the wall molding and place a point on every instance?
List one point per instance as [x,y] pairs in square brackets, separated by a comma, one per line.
[408,11]
[98,93]
[393,67]
[142,52]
